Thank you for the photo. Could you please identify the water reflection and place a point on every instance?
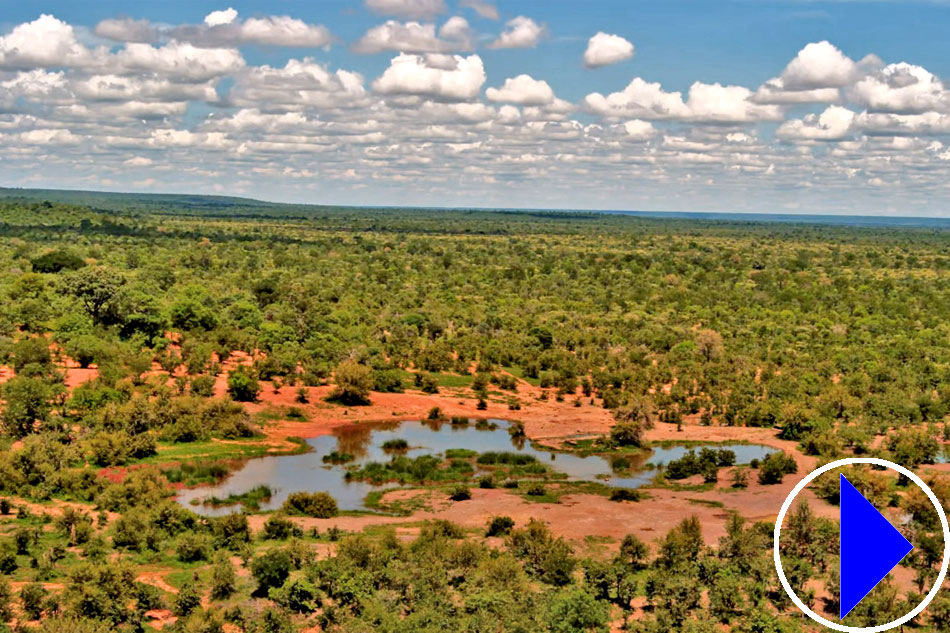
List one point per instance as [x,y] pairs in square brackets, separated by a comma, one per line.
[308,472]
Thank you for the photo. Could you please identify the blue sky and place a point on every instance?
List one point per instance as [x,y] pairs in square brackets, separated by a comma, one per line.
[802,106]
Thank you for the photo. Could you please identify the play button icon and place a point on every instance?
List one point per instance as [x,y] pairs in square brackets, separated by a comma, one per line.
[870,547]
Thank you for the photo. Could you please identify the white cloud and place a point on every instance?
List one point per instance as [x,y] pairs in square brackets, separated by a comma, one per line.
[181,60]
[416,9]
[523,90]
[819,65]
[727,104]
[416,75]
[835,123]
[640,99]
[520,32]
[221,29]
[128,88]
[217,18]
[639,130]
[127,30]
[712,103]
[902,88]
[298,84]
[483,8]
[773,92]
[44,42]
[604,49]
[413,37]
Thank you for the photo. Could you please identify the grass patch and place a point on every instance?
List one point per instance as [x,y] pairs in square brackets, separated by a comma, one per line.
[251,499]
[707,502]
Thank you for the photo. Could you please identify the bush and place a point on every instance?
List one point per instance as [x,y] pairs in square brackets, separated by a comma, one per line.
[32,597]
[435,413]
[396,445]
[461,493]
[192,547]
[625,494]
[506,458]
[271,569]
[775,466]
[223,578]
[203,387]
[500,526]
[353,383]
[280,528]
[625,434]
[319,505]
[337,458]
[536,490]
[242,386]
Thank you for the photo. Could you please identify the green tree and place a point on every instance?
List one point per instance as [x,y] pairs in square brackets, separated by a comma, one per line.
[576,611]
[271,569]
[353,383]
[95,287]
[28,402]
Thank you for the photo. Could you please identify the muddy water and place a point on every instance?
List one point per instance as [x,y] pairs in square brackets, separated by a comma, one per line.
[308,472]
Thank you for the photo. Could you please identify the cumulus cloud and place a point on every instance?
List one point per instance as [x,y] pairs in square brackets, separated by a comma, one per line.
[639,130]
[483,8]
[298,84]
[416,9]
[128,30]
[217,18]
[835,123]
[221,29]
[773,92]
[520,32]
[902,88]
[604,49]
[818,65]
[181,60]
[523,90]
[413,37]
[44,42]
[439,77]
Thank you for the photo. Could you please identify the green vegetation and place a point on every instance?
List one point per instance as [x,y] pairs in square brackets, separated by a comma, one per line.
[182,314]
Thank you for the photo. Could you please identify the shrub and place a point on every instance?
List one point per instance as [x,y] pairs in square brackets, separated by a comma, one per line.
[337,458]
[775,466]
[280,528]
[506,458]
[461,493]
[435,413]
[188,598]
[271,569]
[32,597]
[486,482]
[353,383]
[319,505]
[192,547]
[625,494]
[536,489]
[627,434]
[500,526]
[203,386]
[242,386]
[231,531]
[395,445]
[223,578]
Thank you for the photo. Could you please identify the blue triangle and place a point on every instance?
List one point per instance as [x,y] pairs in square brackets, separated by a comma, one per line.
[870,547]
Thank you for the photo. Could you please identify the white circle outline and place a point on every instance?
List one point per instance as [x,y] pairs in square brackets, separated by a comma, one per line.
[938,583]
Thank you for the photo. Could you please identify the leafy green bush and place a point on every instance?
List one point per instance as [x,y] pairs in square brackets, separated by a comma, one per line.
[319,505]
[775,466]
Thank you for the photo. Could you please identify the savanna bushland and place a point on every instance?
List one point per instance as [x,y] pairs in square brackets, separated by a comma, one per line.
[181,314]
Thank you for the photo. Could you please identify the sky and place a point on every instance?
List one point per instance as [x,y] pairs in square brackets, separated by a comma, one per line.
[761,106]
